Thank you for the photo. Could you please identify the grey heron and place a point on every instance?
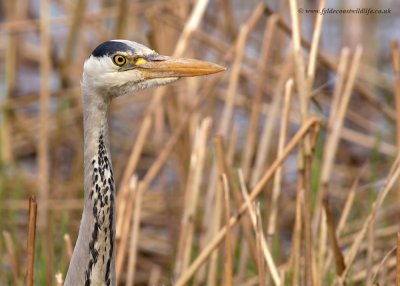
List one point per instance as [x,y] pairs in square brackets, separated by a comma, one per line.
[115,68]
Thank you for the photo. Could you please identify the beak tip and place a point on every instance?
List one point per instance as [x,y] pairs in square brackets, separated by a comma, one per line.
[219,68]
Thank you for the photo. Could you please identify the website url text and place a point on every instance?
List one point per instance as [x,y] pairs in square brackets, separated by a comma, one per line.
[365,11]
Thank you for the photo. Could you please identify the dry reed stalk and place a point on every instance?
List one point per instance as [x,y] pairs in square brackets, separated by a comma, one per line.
[261,73]
[155,276]
[243,260]
[230,159]
[31,240]
[370,252]
[383,234]
[123,11]
[191,25]
[300,65]
[228,25]
[398,260]
[126,226]
[276,189]
[227,49]
[10,85]
[168,148]
[28,25]
[227,112]
[255,219]
[232,142]
[224,125]
[337,124]
[170,144]
[251,23]
[295,251]
[343,219]
[347,134]
[193,185]
[331,64]
[328,158]
[238,51]
[129,170]
[71,41]
[151,174]
[135,228]
[260,261]
[339,260]
[54,204]
[121,202]
[389,182]
[321,243]
[365,123]
[312,62]
[68,247]
[215,224]
[228,265]
[396,72]
[337,98]
[377,269]
[265,141]
[305,151]
[43,136]
[11,255]
[224,169]
[207,250]
[155,169]
[373,75]
[368,142]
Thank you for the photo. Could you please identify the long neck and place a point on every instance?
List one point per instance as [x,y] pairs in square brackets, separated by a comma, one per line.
[93,260]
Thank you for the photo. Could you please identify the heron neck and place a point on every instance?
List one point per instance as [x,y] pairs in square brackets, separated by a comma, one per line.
[95,128]
[93,260]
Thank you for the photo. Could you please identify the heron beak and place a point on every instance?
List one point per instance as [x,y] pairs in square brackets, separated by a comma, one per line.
[166,67]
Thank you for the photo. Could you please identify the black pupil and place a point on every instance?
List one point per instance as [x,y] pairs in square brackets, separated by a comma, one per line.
[120,60]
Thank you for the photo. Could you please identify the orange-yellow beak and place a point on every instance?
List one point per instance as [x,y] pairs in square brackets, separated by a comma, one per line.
[177,67]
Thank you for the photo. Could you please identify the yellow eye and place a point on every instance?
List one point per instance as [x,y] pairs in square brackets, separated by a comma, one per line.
[119,60]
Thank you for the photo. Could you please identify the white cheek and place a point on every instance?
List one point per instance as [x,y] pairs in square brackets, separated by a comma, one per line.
[116,78]
[104,73]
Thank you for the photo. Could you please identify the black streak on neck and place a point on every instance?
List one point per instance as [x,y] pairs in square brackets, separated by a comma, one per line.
[102,196]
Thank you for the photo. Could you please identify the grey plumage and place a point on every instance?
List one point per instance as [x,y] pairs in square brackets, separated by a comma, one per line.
[115,68]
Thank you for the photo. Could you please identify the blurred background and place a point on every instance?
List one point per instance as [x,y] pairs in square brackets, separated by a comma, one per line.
[43,45]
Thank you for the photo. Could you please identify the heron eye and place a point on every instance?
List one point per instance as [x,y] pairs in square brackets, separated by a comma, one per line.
[119,60]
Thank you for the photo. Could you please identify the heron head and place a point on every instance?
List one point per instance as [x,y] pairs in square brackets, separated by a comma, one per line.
[120,67]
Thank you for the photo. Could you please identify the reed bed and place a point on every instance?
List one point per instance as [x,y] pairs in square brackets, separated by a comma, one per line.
[283,170]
